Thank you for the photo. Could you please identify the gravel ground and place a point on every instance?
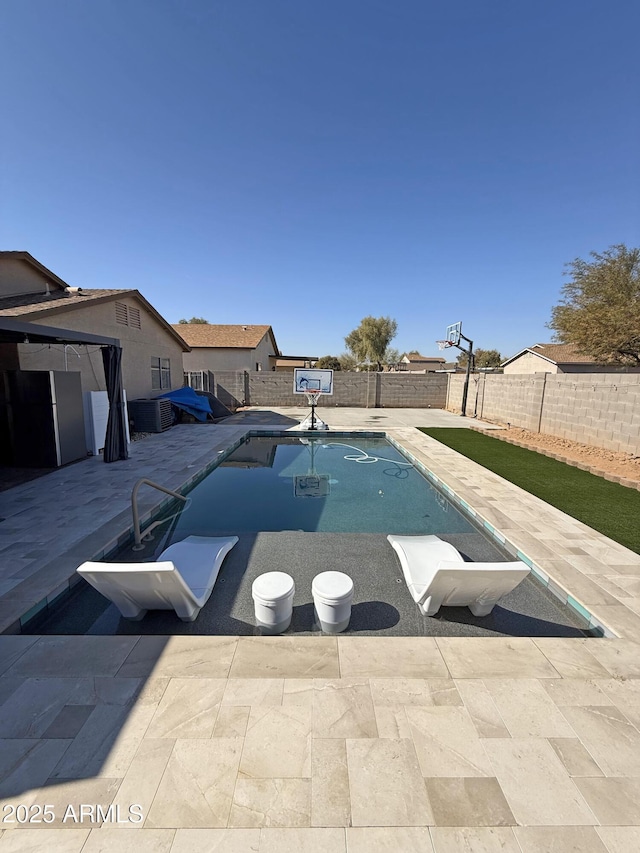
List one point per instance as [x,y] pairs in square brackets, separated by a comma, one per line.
[611,464]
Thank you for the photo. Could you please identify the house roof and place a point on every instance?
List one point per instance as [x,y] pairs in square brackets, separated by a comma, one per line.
[29,259]
[413,358]
[555,353]
[224,336]
[31,306]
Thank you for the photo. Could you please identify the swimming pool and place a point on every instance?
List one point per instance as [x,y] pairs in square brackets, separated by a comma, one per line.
[304,504]
[338,485]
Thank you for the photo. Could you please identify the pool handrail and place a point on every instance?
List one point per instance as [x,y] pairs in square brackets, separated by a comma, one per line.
[135,512]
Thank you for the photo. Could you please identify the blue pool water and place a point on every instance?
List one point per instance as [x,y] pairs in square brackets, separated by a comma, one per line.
[340,485]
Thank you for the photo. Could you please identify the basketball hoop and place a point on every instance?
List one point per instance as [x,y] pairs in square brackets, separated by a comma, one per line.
[312,421]
[444,344]
[312,395]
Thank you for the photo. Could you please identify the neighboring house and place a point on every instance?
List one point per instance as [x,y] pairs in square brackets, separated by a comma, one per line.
[558,358]
[152,350]
[414,363]
[288,363]
[219,347]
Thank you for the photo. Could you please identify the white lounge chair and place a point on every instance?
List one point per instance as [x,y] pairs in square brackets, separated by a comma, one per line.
[437,576]
[181,579]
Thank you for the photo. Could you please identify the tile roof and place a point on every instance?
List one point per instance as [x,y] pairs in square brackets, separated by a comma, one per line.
[562,353]
[213,335]
[29,306]
[418,358]
[36,304]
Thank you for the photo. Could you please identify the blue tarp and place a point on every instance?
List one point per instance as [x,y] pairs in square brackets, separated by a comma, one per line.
[187,399]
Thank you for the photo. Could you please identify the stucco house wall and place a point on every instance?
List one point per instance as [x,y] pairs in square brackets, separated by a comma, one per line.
[231,358]
[529,362]
[138,347]
[18,278]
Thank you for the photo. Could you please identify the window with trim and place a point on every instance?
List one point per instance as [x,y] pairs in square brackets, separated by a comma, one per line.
[160,374]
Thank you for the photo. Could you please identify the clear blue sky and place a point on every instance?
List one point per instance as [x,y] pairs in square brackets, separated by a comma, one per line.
[305,163]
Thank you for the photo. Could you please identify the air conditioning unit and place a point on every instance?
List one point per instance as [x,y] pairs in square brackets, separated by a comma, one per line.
[151,415]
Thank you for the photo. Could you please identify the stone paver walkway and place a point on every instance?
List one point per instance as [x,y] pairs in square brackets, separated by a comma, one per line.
[341,744]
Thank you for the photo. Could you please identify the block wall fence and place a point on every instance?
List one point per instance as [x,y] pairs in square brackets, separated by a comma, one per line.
[599,409]
[361,390]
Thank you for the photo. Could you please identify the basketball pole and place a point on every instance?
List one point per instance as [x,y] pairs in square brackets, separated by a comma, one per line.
[455,331]
[465,390]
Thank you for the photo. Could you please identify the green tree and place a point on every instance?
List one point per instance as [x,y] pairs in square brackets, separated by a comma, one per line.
[196,320]
[347,361]
[371,339]
[482,358]
[600,307]
[392,356]
[329,362]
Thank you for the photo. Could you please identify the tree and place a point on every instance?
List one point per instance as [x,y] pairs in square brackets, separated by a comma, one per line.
[347,361]
[391,356]
[196,320]
[482,358]
[329,362]
[371,339]
[600,307]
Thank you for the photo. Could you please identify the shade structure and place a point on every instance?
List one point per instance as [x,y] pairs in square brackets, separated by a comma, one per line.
[115,442]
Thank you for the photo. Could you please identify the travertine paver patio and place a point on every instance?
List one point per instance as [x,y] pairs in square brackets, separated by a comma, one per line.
[326,743]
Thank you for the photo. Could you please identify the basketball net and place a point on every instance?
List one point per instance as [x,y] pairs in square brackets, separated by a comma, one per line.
[444,344]
[312,397]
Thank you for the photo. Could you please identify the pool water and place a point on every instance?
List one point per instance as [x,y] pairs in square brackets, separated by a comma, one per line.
[304,505]
[338,485]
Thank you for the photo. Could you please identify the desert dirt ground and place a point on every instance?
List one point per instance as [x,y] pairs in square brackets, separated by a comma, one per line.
[610,463]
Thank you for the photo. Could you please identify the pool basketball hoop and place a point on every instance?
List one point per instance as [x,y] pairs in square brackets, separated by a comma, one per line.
[312,383]
[311,421]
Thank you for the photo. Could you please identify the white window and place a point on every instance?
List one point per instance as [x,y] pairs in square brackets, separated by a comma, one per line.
[160,374]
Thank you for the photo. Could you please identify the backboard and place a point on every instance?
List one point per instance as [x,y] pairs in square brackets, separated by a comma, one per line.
[311,485]
[312,379]
[453,333]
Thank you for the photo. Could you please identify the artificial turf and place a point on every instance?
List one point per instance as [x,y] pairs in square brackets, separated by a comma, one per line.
[609,508]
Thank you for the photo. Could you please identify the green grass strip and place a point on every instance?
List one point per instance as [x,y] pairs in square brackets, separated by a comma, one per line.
[609,508]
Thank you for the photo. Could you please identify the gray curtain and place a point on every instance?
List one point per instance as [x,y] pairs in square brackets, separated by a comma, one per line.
[115,443]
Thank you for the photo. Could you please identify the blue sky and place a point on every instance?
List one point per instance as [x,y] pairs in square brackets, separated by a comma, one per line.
[305,163]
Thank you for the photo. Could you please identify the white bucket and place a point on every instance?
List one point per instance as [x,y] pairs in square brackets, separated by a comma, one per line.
[273,601]
[332,597]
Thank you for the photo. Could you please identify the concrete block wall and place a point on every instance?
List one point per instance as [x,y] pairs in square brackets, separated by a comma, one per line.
[524,394]
[230,387]
[423,391]
[363,390]
[599,409]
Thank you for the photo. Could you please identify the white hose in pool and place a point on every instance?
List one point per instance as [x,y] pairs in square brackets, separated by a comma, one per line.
[364,458]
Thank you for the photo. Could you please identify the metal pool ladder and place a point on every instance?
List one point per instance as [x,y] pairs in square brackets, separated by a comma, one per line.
[138,546]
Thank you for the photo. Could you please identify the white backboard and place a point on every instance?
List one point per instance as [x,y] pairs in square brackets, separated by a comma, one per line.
[312,379]
[453,332]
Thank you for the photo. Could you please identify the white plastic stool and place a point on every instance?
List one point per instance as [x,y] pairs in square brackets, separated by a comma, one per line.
[332,596]
[273,601]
